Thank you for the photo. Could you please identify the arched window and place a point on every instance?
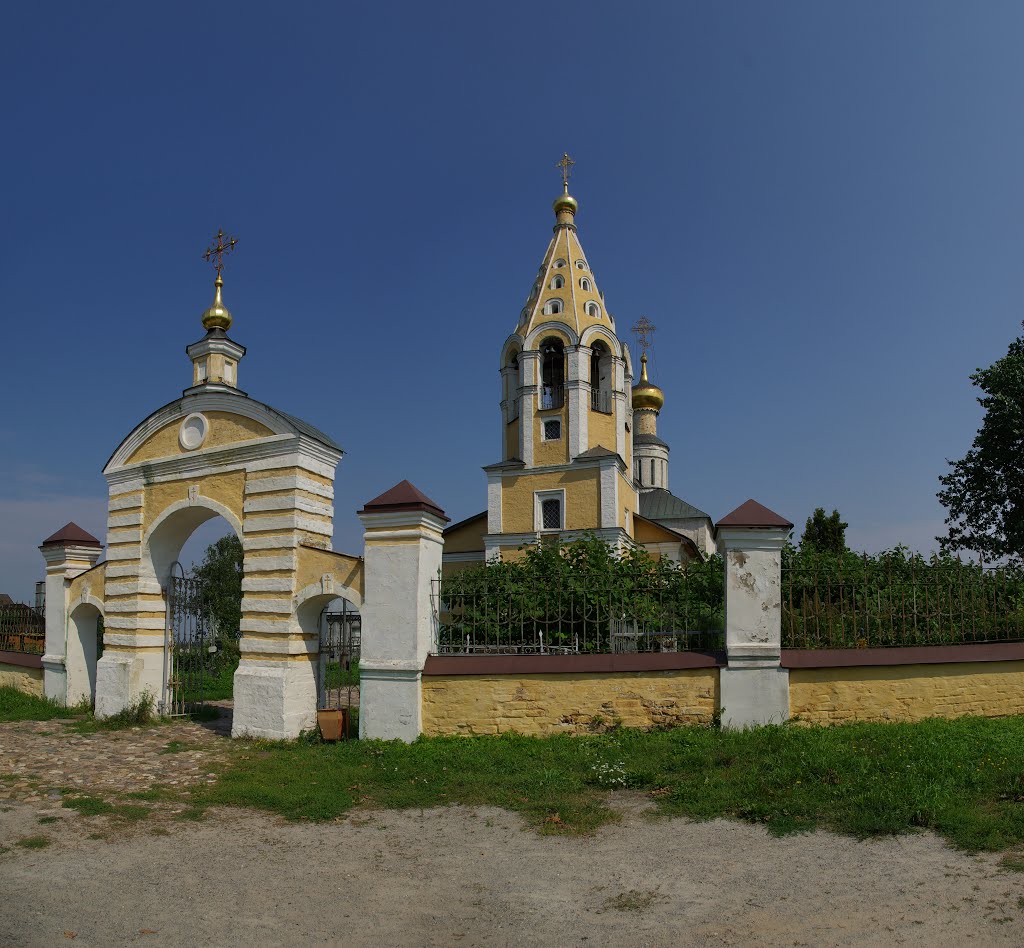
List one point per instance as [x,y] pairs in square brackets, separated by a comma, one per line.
[558,264]
[585,285]
[557,282]
[581,264]
[552,373]
[552,307]
[593,310]
[601,378]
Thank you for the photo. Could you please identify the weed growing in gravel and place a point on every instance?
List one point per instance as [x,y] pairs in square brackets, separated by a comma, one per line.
[93,806]
[44,820]
[15,705]
[34,842]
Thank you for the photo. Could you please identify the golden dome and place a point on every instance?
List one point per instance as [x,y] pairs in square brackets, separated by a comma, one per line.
[645,393]
[217,315]
[565,202]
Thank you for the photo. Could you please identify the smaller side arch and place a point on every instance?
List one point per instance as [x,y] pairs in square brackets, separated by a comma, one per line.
[593,333]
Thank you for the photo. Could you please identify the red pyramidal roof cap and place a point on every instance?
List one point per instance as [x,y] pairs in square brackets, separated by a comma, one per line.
[72,533]
[403,496]
[753,514]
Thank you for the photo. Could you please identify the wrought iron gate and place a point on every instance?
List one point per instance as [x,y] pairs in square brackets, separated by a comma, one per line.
[189,641]
[338,669]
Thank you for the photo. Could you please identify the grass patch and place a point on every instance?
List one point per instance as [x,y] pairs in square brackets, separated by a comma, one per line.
[178,747]
[964,779]
[15,705]
[34,842]
[138,714]
[94,806]
[44,820]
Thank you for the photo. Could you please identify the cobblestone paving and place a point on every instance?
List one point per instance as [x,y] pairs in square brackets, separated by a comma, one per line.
[39,758]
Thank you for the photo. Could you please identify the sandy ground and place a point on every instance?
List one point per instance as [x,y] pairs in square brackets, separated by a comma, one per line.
[462,876]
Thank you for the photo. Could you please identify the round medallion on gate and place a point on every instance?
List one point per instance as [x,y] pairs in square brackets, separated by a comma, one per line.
[193,431]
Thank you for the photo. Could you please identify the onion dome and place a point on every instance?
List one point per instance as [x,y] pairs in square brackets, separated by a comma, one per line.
[565,202]
[216,315]
[645,393]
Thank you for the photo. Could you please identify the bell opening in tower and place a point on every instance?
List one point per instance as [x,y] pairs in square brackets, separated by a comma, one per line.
[552,373]
[601,378]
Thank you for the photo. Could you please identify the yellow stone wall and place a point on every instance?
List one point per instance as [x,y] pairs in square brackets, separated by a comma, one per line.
[551,452]
[227,489]
[512,439]
[567,703]
[314,563]
[225,428]
[601,430]
[468,538]
[28,680]
[582,499]
[906,692]
[94,578]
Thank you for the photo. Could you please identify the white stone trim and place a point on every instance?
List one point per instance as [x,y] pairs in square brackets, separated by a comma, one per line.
[279,606]
[249,624]
[131,552]
[551,325]
[287,522]
[411,519]
[116,622]
[284,543]
[263,485]
[125,501]
[132,606]
[125,569]
[128,535]
[264,564]
[285,645]
[336,590]
[132,519]
[609,496]
[494,503]
[146,585]
[292,502]
[267,584]
[200,501]
[539,496]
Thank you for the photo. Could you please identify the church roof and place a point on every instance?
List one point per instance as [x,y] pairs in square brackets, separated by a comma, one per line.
[403,496]
[577,298]
[649,439]
[753,514]
[659,504]
[306,428]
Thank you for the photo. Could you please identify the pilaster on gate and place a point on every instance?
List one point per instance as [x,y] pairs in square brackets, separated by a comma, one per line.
[754,688]
[402,556]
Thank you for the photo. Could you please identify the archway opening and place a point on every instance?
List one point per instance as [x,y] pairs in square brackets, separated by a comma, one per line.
[338,625]
[601,378]
[84,648]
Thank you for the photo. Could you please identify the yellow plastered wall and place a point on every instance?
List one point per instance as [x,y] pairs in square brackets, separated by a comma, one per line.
[227,489]
[225,428]
[468,537]
[512,439]
[601,430]
[93,578]
[314,563]
[568,703]
[582,499]
[27,680]
[551,452]
[906,692]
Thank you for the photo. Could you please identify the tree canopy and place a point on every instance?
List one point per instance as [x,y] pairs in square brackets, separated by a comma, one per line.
[824,534]
[221,573]
[983,492]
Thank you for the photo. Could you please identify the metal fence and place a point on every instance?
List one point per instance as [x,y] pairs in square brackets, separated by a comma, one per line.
[900,602]
[22,628]
[338,669]
[484,616]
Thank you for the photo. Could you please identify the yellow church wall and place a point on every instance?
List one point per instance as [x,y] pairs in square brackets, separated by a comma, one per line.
[467,537]
[226,489]
[567,703]
[347,570]
[512,439]
[601,430]
[906,692]
[582,499]
[93,578]
[225,428]
[551,452]
[646,531]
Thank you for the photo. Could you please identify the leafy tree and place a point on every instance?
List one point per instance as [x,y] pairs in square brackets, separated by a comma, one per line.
[824,534]
[221,575]
[984,491]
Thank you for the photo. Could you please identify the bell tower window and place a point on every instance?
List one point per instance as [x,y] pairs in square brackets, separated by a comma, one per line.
[549,510]
[552,373]
[601,378]
[552,307]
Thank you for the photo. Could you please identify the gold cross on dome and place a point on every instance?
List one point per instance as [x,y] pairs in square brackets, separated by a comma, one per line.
[223,245]
[644,328]
[565,166]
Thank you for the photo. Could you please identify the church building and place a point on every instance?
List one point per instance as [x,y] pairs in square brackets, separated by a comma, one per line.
[581,454]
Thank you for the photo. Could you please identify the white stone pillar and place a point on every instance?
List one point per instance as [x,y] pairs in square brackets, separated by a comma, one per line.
[754,688]
[577,388]
[402,556]
[530,367]
[68,553]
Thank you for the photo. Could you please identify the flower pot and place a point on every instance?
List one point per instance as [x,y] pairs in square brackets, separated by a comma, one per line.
[332,723]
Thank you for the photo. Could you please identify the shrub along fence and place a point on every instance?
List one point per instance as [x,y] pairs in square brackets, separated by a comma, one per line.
[897,599]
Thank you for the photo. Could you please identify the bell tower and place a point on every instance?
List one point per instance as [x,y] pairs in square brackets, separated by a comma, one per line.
[566,409]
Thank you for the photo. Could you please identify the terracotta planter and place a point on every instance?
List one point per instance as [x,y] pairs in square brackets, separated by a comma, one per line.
[332,722]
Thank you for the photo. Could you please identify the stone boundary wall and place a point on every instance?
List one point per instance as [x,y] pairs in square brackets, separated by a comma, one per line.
[460,696]
[22,671]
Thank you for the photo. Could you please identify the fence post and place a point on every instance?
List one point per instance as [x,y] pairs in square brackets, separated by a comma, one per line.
[68,553]
[403,544]
[753,687]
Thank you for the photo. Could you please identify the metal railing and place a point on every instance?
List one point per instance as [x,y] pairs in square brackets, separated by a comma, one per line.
[477,616]
[900,602]
[601,400]
[22,629]
[551,396]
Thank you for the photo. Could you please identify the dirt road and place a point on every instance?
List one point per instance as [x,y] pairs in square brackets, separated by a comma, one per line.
[463,876]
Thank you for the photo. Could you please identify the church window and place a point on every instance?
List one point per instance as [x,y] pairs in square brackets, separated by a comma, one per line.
[552,373]
[201,371]
[557,283]
[558,264]
[229,372]
[549,509]
[652,471]
[552,307]
[585,285]
[594,310]
[552,429]
[581,264]
[601,378]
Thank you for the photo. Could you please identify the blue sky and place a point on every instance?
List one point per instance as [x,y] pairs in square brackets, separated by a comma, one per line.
[818,204]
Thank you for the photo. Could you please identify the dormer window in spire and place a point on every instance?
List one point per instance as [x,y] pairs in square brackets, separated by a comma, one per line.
[558,264]
[586,285]
[581,264]
[552,307]
[552,373]
[557,282]
[601,378]
[593,310]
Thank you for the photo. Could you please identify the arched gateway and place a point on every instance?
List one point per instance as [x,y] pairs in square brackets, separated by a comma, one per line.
[214,451]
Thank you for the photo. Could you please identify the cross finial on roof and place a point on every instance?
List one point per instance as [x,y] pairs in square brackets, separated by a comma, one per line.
[223,244]
[644,328]
[565,166]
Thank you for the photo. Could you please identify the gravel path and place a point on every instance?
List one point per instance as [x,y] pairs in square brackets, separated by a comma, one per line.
[451,876]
